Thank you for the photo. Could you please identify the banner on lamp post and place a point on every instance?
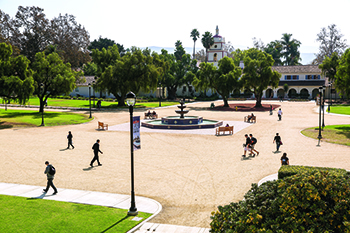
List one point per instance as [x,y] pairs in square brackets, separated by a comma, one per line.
[136,132]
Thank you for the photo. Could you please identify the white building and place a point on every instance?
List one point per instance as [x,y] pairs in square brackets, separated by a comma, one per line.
[216,51]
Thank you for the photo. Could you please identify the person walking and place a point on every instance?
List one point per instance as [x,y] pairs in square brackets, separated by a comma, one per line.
[279,114]
[50,173]
[96,148]
[253,143]
[271,109]
[284,159]
[247,146]
[278,141]
[70,141]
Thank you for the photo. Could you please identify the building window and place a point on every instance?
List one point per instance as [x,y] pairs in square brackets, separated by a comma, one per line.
[311,76]
[215,46]
[77,89]
[190,88]
[291,77]
[215,57]
[184,89]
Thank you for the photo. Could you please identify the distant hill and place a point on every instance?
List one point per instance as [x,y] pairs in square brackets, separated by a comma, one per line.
[306,57]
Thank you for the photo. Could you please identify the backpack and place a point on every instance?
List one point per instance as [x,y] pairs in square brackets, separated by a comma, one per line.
[52,170]
[254,140]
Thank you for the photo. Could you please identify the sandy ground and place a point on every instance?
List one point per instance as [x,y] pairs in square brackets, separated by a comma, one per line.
[189,174]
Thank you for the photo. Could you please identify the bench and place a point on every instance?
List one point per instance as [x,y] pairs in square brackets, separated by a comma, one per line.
[150,116]
[224,129]
[253,120]
[101,125]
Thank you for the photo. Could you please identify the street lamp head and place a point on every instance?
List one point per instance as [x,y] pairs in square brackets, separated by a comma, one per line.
[89,84]
[41,85]
[320,89]
[130,98]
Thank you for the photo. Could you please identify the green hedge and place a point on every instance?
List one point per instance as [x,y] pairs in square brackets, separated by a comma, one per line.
[311,201]
[291,170]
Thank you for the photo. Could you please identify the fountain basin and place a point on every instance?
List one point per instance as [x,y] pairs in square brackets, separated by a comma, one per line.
[203,124]
[187,120]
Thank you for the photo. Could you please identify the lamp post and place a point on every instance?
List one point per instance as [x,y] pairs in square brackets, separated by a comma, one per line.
[319,119]
[160,94]
[90,99]
[329,105]
[323,102]
[131,100]
[93,89]
[42,113]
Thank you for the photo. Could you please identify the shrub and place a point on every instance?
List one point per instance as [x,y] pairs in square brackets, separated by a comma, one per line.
[286,171]
[313,201]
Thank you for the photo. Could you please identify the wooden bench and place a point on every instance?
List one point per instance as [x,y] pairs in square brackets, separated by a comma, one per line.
[101,125]
[150,116]
[224,129]
[253,120]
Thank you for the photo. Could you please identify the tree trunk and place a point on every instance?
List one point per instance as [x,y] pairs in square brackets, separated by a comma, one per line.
[172,92]
[225,102]
[121,100]
[194,50]
[206,55]
[258,101]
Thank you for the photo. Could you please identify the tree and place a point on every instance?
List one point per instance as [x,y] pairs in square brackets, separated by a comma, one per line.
[180,72]
[274,48]
[329,66]
[16,81]
[201,56]
[258,44]
[7,26]
[228,47]
[31,33]
[331,41]
[105,43]
[179,50]
[207,41]
[257,73]
[57,78]
[119,75]
[195,36]
[342,77]
[224,80]
[285,88]
[72,39]
[90,69]
[290,51]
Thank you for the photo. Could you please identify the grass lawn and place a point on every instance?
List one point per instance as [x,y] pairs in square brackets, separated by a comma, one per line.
[338,134]
[340,109]
[104,104]
[20,214]
[26,118]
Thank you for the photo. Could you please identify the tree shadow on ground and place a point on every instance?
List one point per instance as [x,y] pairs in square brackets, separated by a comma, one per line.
[35,115]
[343,130]
[5,125]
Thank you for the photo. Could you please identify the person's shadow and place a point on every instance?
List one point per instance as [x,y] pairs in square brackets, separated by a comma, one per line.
[64,149]
[88,169]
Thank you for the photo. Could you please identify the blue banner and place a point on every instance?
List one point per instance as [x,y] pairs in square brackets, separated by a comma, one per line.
[136,132]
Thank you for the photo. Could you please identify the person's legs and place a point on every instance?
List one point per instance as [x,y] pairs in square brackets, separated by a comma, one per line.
[278,146]
[94,159]
[47,186]
[50,181]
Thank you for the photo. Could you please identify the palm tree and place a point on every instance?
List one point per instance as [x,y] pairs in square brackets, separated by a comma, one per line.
[194,35]
[207,41]
[290,50]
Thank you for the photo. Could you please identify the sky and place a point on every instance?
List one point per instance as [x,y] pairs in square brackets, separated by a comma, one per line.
[161,23]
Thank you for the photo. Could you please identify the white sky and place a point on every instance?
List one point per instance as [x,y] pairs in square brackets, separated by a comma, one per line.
[145,23]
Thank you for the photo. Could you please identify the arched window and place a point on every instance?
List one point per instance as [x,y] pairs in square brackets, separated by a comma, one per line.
[215,57]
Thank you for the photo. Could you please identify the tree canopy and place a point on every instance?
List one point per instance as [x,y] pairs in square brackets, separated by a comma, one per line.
[105,43]
[119,75]
[31,32]
[257,73]
[329,66]
[290,50]
[224,79]
[195,36]
[207,41]
[342,77]
[57,77]
[16,81]
[331,41]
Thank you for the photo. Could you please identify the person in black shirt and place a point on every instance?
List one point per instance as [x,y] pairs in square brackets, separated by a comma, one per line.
[70,142]
[247,145]
[252,145]
[96,148]
[278,141]
[284,159]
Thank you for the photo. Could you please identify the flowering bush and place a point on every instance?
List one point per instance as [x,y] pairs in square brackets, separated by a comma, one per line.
[314,201]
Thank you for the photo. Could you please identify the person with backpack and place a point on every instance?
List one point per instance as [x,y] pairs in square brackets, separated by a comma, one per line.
[70,139]
[278,141]
[50,172]
[96,148]
[252,145]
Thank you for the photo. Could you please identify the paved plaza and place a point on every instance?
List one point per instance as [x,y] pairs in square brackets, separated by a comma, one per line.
[188,173]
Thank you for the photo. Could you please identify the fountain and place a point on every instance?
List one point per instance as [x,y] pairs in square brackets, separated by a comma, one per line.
[181,122]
